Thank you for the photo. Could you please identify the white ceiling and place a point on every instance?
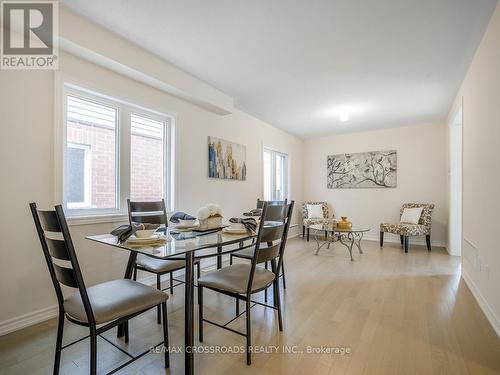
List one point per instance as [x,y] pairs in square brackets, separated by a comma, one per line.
[293,63]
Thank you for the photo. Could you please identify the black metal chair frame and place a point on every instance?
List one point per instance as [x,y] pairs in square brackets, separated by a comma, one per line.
[63,250]
[154,213]
[261,255]
[260,204]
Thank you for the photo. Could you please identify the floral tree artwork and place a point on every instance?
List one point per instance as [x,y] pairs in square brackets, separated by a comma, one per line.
[376,169]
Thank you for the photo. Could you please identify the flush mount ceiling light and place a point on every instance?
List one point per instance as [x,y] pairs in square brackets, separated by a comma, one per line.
[344,114]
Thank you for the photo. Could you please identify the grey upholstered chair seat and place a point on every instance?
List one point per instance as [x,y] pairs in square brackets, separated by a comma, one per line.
[235,278]
[159,265]
[114,299]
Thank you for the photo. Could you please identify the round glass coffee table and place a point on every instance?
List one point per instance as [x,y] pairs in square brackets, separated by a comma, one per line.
[331,234]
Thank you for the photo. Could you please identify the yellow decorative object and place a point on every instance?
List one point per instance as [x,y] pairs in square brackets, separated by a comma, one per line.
[344,223]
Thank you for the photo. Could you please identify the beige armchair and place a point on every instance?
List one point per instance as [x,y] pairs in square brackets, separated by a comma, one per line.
[307,221]
[405,231]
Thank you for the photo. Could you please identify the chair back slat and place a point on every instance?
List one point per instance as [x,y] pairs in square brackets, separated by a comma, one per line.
[66,276]
[276,213]
[48,221]
[146,206]
[269,253]
[260,203]
[57,249]
[273,232]
[147,212]
[150,219]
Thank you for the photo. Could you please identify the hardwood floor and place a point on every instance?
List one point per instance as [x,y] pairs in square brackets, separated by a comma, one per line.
[396,313]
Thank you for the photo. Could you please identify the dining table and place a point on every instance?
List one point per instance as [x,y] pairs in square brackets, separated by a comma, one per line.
[180,245]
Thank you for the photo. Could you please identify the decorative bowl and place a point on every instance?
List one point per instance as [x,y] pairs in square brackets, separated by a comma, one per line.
[187,223]
[145,233]
[236,226]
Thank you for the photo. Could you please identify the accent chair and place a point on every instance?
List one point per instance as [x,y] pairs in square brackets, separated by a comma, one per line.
[405,230]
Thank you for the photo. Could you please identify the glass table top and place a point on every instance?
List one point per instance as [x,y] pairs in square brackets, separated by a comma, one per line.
[330,227]
[178,243]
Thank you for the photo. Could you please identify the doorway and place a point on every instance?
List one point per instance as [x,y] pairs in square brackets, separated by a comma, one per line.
[455,181]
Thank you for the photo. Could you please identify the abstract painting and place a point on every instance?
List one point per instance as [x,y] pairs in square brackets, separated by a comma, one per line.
[226,160]
[377,169]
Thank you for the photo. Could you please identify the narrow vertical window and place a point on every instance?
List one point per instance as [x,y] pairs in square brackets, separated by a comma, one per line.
[275,175]
[91,170]
[147,157]
[268,177]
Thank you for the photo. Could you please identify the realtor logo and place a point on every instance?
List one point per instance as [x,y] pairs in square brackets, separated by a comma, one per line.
[29,37]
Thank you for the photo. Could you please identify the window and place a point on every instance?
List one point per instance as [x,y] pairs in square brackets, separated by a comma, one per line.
[112,151]
[275,175]
[147,159]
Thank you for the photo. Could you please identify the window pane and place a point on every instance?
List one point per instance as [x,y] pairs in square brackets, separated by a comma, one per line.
[90,154]
[147,157]
[76,174]
[275,175]
[278,193]
[267,176]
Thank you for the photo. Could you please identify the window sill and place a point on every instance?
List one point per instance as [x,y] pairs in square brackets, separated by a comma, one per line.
[96,219]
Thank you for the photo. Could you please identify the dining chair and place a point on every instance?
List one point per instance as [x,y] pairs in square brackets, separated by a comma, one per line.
[99,307]
[155,213]
[242,280]
[248,253]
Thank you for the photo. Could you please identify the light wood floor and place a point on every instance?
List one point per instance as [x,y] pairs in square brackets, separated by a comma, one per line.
[397,313]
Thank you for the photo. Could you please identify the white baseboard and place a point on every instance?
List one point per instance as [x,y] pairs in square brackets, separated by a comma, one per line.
[38,316]
[392,238]
[26,320]
[395,239]
[483,304]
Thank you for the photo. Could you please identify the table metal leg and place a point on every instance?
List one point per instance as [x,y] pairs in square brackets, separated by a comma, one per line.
[128,275]
[189,315]
[219,258]
[130,265]
[358,236]
[319,244]
[348,244]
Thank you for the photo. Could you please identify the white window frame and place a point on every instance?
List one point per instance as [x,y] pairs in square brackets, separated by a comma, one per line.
[123,166]
[87,176]
[286,183]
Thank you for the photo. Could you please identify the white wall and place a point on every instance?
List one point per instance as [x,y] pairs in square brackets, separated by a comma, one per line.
[480,92]
[27,167]
[421,176]
[454,134]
